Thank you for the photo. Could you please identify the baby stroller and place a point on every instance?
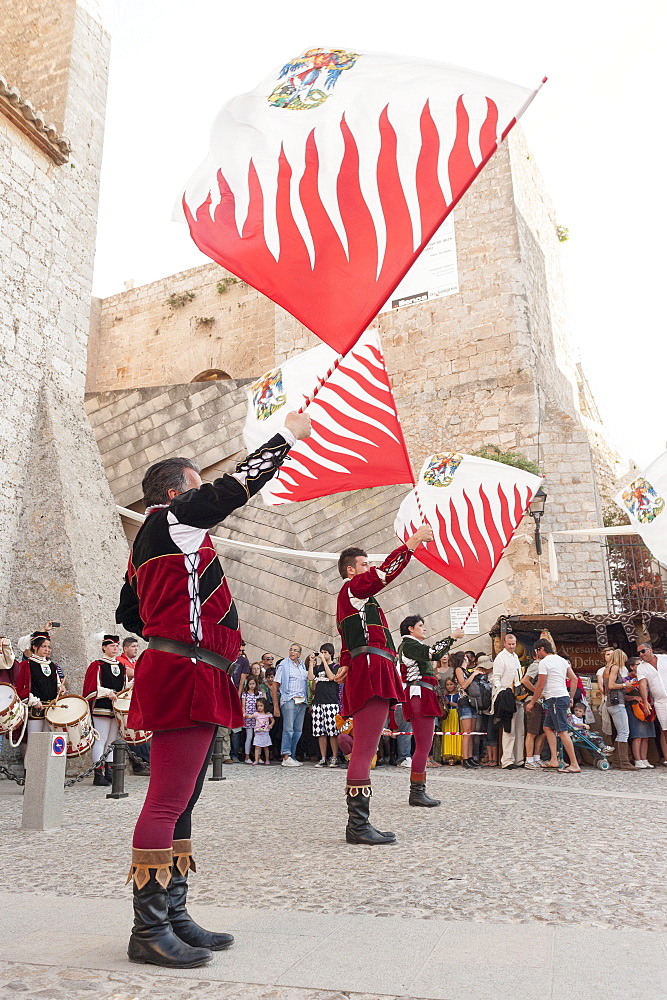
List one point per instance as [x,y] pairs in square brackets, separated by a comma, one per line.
[588,749]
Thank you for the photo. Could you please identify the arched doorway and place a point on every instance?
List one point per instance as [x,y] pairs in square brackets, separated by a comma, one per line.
[211,375]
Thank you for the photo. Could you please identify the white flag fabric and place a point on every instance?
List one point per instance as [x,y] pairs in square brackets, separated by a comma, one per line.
[644,503]
[323,185]
[356,438]
[474,506]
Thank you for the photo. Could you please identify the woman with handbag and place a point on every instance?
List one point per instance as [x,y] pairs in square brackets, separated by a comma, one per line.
[640,723]
[614,689]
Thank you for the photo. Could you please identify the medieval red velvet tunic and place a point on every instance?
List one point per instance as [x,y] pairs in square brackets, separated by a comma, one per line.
[361,622]
[175,588]
[100,675]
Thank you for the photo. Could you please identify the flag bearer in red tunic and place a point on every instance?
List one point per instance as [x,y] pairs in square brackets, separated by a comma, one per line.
[368,668]
[175,595]
[420,700]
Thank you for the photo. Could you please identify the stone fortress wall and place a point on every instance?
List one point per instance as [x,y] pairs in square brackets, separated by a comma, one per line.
[492,364]
[62,550]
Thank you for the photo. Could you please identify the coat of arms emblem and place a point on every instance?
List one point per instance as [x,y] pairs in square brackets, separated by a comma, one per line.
[441,468]
[304,84]
[642,501]
[267,394]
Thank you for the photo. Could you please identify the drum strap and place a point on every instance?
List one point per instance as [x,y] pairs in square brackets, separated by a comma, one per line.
[191,651]
[385,653]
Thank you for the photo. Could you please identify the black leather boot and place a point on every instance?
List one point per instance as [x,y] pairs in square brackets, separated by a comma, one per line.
[108,773]
[181,922]
[99,777]
[152,940]
[359,830]
[418,796]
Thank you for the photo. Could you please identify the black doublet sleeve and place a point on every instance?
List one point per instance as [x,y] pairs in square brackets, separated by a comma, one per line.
[127,612]
[213,502]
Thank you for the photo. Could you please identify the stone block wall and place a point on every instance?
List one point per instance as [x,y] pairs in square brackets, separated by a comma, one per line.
[35,52]
[63,549]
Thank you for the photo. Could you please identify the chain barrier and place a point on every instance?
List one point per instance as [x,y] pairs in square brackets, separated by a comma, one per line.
[84,774]
[12,776]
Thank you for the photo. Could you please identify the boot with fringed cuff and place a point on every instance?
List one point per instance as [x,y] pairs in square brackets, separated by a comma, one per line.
[359,829]
[183,926]
[153,939]
[418,796]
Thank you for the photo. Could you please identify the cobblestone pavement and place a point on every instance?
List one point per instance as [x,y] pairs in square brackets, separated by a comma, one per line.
[31,981]
[508,846]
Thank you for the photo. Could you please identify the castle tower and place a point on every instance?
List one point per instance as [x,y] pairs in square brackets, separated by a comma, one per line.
[63,550]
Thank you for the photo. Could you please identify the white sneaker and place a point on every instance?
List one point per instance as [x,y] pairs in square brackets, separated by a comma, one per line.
[290,762]
[639,764]
[530,765]
[406,763]
[646,764]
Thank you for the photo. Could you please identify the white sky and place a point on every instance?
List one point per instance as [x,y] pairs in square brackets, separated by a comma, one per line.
[597,130]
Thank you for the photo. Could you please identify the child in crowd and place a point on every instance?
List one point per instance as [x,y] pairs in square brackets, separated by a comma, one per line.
[249,706]
[577,720]
[263,726]
[451,745]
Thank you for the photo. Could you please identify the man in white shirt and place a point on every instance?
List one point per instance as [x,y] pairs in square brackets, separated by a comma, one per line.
[507,674]
[652,677]
[553,674]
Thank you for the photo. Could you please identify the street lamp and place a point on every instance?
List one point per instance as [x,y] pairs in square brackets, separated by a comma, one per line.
[536,510]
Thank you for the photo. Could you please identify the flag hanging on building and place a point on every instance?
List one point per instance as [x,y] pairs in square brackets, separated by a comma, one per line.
[644,503]
[356,438]
[323,185]
[474,506]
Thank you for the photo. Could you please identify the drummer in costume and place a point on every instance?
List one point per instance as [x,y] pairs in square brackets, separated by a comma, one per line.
[420,701]
[104,679]
[368,667]
[38,683]
[176,596]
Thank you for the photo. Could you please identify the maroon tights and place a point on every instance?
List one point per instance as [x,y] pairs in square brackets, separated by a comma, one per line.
[368,725]
[422,728]
[179,758]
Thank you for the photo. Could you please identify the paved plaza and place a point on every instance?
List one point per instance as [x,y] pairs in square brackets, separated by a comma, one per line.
[523,884]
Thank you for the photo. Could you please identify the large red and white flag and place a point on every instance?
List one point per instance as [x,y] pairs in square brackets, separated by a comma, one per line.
[323,185]
[356,438]
[474,506]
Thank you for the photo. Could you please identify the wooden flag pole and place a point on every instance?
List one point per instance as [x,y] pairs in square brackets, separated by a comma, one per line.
[320,383]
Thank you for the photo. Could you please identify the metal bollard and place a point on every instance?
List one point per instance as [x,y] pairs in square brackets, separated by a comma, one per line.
[217,759]
[118,772]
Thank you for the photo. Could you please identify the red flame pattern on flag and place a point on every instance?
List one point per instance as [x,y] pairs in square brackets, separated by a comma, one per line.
[450,554]
[339,294]
[356,440]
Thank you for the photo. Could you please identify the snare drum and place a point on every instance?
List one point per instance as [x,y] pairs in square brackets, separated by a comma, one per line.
[121,708]
[13,712]
[70,715]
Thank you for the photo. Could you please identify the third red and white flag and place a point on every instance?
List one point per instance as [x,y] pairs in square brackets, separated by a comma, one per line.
[474,506]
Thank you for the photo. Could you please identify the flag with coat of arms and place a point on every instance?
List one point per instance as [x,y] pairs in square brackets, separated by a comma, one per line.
[356,439]
[643,500]
[474,506]
[324,184]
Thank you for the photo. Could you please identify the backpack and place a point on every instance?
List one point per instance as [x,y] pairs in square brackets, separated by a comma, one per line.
[479,693]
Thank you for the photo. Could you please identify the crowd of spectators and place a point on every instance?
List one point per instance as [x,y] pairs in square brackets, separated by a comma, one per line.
[501,712]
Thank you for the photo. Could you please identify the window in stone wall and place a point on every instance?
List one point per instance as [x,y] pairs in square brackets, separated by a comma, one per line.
[211,375]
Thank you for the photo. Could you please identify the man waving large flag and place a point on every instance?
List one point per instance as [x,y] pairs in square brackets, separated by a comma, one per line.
[323,185]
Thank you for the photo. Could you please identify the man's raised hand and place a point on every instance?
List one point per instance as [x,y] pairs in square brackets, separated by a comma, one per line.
[423,534]
[298,424]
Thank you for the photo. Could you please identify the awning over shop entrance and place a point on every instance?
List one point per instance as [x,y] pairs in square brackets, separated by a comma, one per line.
[583,636]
